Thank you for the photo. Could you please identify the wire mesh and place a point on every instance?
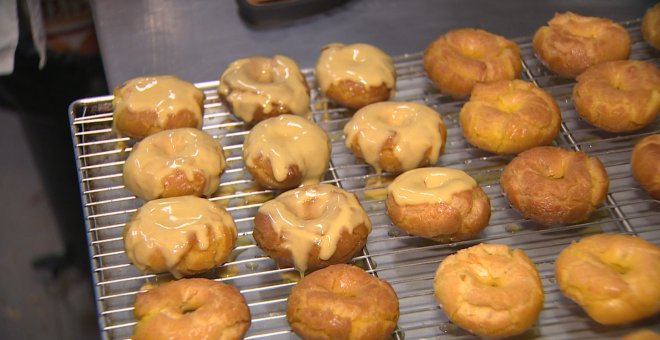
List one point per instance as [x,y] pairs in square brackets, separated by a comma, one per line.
[407,262]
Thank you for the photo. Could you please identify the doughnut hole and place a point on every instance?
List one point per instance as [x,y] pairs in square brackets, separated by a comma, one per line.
[508,117]
[618,96]
[614,278]
[342,302]
[355,95]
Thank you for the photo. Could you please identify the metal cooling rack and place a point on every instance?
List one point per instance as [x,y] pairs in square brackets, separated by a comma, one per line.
[406,262]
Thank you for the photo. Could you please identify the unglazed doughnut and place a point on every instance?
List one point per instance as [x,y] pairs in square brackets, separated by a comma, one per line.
[342,302]
[641,334]
[175,162]
[396,136]
[191,309]
[645,164]
[311,227]
[490,290]
[618,96]
[463,57]
[551,185]
[441,204]
[258,87]
[509,116]
[614,278]
[146,105]
[286,151]
[570,43]
[651,26]
[355,75]
[182,235]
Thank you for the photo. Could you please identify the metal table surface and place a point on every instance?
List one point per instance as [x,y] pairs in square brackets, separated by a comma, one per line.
[197,39]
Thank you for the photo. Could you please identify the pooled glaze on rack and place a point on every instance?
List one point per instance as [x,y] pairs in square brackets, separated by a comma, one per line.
[169,226]
[165,95]
[413,127]
[260,82]
[360,63]
[429,185]
[314,216]
[288,140]
[155,157]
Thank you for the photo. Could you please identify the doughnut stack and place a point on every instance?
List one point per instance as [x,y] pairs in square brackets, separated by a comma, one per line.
[318,228]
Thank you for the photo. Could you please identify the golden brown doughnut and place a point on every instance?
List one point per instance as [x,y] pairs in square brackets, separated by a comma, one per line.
[645,164]
[490,290]
[342,302]
[286,151]
[651,26]
[355,75]
[191,309]
[182,235]
[618,96]
[175,162]
[509,116]
[551,185]
[641,334]
[570,43]
[146,105]
[311,227]
[615,278]
[396,136]
[441,204]
[463,57]
[257,88]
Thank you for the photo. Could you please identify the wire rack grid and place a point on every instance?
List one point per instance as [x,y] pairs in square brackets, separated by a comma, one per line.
[408,263]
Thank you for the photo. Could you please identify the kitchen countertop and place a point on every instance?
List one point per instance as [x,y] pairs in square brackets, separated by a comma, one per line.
[197,39]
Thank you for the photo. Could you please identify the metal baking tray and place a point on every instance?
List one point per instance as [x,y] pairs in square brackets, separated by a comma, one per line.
[406,262]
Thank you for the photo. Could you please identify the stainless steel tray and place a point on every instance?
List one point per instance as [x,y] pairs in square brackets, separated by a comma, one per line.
[408,263]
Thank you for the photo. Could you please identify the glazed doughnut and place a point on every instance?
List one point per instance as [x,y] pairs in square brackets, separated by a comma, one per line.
[551,185]
[463,57]
[355,75]
[615,278]
[509,116]
[441,204]
[191,309]
[286,151]
[146,105]
[570,43]
[257,88]
[651,26]
[182,235]
[490,290]
[618,96]
[342,302]
[311,227]
[175,162]
[645,164]
[396,136]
